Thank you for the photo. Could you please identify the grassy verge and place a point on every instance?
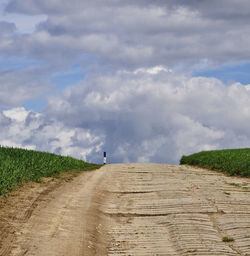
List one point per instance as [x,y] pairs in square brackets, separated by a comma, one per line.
[231,161]
[19,165]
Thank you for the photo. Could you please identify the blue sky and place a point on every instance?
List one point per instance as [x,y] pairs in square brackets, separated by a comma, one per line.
[145,80]
[229,73]
[10,63]
[68,78]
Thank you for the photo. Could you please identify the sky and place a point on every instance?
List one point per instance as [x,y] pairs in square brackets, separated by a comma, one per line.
[145,80]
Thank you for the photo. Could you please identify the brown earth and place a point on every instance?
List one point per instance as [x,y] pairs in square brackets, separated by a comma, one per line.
[129,209]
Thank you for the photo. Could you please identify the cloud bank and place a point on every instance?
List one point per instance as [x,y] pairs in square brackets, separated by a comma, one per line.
[157,117]
[135,34]
[140,116]
[27,129]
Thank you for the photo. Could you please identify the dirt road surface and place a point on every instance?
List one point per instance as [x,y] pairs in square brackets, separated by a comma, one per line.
[132,209]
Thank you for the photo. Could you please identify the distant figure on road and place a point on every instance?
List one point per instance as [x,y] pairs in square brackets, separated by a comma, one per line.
[104,158]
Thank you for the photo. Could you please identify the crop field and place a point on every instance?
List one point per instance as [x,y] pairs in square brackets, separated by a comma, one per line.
[19,165]
[231,161]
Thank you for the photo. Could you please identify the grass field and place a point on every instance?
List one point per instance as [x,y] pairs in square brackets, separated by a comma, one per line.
[19,165]
[231,161]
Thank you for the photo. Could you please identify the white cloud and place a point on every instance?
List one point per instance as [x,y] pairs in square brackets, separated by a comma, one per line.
[154,70]
[144,116]
[27,129]
[17,114]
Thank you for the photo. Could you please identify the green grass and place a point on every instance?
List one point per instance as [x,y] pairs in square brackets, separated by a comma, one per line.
[19,165]
[231,161]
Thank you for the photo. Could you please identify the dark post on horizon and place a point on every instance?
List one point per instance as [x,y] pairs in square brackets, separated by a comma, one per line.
[104,158]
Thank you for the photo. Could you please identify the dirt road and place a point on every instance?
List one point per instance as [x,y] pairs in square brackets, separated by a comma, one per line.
[137,209]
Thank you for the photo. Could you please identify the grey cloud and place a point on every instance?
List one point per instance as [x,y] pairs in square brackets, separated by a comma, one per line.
[224,9]
[4,121]
[7,28]
[33,7]
[136,33]
[17,86]
[38,6]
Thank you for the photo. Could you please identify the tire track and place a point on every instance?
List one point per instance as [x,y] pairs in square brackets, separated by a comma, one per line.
[153,209]
[140,209]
